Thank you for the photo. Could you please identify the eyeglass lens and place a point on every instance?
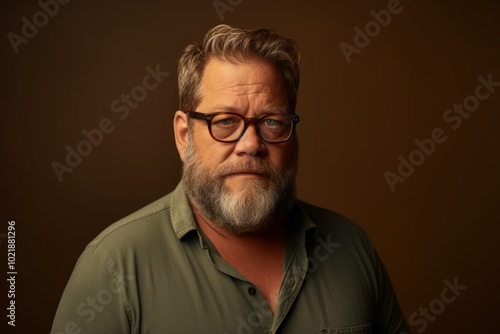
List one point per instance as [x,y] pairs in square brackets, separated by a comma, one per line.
[272,128]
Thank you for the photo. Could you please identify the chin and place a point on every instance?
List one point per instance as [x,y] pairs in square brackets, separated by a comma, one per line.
[248,187]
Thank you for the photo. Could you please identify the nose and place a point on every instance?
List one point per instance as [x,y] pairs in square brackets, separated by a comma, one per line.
[250,143]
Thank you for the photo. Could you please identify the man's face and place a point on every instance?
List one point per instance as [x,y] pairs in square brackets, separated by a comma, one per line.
[240,186]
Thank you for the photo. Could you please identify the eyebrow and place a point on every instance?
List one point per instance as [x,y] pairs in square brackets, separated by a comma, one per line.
[267,110]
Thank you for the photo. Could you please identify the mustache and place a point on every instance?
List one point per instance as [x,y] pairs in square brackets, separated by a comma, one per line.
[247,166]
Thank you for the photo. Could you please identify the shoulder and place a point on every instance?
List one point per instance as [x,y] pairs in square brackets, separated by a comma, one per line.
[330,225]
[337,234]
[138,228]
[329,221]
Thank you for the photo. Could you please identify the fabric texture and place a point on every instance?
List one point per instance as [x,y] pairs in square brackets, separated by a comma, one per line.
[154,272]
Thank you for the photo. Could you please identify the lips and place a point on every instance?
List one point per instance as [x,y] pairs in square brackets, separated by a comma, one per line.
[249,168]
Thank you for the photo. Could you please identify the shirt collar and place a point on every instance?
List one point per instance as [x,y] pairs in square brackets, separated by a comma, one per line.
[183,220]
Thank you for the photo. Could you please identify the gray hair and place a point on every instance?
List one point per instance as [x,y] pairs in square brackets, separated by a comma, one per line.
[233,44]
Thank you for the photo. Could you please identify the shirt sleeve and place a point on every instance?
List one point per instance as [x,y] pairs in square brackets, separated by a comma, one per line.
[94,300]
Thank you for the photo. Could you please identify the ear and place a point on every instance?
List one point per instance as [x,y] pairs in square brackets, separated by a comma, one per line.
[180,132]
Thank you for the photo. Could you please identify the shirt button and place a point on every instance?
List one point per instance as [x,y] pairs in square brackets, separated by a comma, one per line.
[251,290]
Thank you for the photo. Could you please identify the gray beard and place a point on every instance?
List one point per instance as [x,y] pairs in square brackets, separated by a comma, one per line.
[246,211]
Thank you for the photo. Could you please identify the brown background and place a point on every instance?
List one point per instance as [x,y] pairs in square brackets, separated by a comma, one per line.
[356,119]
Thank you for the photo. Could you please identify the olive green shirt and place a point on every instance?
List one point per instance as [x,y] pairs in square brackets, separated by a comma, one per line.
[154,272]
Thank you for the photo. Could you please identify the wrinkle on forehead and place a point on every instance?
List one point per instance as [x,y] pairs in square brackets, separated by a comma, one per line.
[257,73]
[266,109]
[250,86]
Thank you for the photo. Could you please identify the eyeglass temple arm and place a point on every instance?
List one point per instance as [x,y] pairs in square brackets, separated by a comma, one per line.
[196,115]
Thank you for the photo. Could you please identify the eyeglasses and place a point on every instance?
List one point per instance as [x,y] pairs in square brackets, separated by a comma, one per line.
[229,127]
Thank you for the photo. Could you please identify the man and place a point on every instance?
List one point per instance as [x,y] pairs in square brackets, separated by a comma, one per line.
[231,250]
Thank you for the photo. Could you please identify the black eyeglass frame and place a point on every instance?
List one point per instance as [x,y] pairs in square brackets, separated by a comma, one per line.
[247,121]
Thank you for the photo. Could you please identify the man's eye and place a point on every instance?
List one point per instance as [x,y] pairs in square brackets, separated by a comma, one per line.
[225,121]
[271,122]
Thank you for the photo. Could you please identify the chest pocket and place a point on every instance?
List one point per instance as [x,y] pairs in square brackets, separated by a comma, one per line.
[364,329]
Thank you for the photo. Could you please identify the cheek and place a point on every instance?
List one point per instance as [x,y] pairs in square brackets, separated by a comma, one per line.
[281,157]
[209,151]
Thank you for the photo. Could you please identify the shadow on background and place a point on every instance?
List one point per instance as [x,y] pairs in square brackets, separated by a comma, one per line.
[374,92]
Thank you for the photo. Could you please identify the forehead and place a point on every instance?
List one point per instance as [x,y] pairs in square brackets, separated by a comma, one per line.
[241,84]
